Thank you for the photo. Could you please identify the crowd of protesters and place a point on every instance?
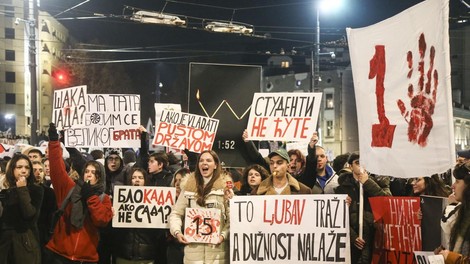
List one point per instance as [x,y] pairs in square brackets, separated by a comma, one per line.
[56,210]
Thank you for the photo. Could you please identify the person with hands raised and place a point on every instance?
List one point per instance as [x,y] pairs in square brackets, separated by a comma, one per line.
[21,201]
[76,233]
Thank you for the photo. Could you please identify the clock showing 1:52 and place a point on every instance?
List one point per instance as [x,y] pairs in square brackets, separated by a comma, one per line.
[226,144]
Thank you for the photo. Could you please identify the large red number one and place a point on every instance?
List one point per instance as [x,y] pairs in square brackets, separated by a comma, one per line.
[382,133]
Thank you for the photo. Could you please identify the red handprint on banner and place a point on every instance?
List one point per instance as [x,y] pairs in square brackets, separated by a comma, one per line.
[422,101]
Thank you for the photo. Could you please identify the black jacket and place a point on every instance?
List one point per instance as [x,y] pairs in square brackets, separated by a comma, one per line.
[138,243]
[162,179]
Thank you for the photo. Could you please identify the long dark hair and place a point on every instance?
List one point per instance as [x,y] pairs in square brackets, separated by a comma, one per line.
[100,185]
[435,186]
[10,171]
[246,188]
[141,170]
[460,227]
[202,190]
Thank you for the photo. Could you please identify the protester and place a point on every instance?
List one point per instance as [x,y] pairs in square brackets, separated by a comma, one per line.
[21,203]
[76,233]
[361,247]
[158,170]
[433,186]
[280,181]
[35,154]
[138,245]
[297,162]
[459,243]
[48,207]
[175,250]
[205,188]
[252,177]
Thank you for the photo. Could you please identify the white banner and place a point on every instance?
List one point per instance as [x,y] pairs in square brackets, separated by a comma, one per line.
[283,116]
[142,206]
[69,107]
[401,70]
[185,131]
[111,120]
[289,229]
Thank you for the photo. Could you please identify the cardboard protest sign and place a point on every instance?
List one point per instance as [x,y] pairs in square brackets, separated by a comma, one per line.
[111,120]
[69,107]
[289,229]
[283,116]
[428,257]
[142,206]
[402,85]
[399,230]
[185,131]
[202,225]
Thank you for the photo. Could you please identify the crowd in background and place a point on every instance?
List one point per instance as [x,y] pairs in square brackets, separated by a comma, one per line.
[56,210]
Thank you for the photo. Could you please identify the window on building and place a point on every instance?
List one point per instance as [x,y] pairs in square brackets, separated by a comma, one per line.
[10,98]
[330,103]
[9,55]
[330,129]
[9,11]
[9,33]
[10,77]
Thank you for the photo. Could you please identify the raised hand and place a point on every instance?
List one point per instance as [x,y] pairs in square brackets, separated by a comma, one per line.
[422,97]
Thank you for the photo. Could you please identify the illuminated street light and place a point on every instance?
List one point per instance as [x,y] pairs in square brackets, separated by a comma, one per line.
[323,6]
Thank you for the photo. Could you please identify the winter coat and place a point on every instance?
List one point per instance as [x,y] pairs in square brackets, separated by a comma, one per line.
[295,187]
[198,253]
[161,179]
[138,243]
[19,237]
[372,187]
[331,182]
[78,244]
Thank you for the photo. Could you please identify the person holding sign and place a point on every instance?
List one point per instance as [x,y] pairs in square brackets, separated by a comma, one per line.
[203,204]
[280,181]
[138,245]
[76,233]
[361,247]
[459,244]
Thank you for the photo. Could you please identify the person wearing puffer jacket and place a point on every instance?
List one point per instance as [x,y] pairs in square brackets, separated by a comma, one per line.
[76,232]
[205,188]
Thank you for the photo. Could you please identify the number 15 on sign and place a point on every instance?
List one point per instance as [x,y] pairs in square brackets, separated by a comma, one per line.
[202,225]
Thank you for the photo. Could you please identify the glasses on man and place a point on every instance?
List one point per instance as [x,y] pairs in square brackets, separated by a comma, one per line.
[116,159]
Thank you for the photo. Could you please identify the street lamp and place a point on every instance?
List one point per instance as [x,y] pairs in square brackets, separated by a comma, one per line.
[30,27]
[321,6]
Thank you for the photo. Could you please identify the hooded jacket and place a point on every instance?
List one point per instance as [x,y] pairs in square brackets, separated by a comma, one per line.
[77,244]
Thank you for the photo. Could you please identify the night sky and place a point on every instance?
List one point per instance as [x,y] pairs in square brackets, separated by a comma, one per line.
[277,24]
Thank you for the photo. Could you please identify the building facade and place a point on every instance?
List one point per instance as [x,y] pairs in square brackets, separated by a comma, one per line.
[31,43]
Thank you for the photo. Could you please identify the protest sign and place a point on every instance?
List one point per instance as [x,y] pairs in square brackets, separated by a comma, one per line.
[111,120]
[283,116]
[403,92]
[202,225]
[289,229]
[142,206]
[69,107]
[185,131]
[428,257]
[398,233]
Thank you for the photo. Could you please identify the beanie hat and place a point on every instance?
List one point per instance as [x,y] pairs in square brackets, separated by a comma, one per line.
[115,151]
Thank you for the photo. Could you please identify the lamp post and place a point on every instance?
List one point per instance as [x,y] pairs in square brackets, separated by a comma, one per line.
[30,27]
